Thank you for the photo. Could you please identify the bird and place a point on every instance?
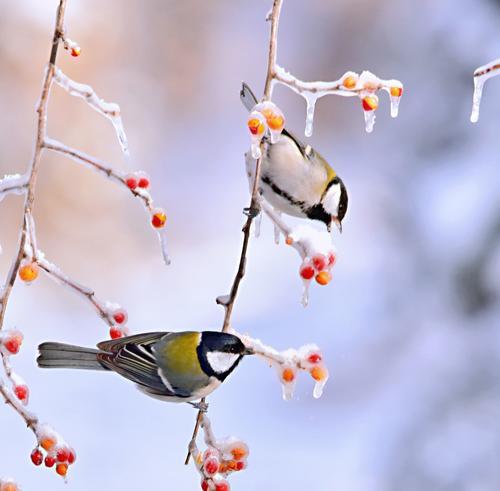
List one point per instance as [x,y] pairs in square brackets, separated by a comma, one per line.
[295,179]
[170,366]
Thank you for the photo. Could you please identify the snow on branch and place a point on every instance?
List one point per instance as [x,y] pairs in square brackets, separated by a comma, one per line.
[110,110]
[481,74]
[13,184]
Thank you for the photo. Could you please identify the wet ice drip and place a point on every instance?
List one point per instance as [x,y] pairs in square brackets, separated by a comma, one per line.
[482,74]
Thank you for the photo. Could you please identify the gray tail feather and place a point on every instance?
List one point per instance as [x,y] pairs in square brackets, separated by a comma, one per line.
[247,96]
[59,355]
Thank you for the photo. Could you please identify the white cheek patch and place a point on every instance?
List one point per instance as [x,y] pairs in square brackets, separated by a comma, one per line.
[221,362]
[332,199]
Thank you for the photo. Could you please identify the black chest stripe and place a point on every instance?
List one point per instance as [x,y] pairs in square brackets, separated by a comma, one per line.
[277,190]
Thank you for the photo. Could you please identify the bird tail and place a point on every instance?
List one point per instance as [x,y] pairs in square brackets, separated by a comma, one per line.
[247,96]
[59,355]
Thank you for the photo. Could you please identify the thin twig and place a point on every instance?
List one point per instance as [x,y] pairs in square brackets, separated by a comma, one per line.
[254,207]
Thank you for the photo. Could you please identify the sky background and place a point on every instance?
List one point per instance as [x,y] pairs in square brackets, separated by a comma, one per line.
[410,323]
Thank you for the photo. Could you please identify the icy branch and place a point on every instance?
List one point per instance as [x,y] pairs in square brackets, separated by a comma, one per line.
[482,74]
[13,184]
[110,110]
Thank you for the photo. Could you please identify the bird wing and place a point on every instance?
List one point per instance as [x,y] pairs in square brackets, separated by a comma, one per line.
[178,362]
[132,357]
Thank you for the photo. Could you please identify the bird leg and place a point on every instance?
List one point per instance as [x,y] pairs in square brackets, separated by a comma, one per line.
[200,406]
[252,212]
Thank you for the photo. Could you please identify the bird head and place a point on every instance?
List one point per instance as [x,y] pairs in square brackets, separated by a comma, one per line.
[220,353]
[335,202]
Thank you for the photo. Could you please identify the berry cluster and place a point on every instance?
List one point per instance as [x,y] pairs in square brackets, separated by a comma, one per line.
[57,453]
[318,267]
[8,485]
[366,85]
[220,460]
[118,317]
[137,179]
[265,118]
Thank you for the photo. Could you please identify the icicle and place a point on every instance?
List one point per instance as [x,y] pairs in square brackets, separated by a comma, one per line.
[277,231]
[117,123]
[256,153]
[305,293]
[318,388]
[162,236]
[369,120]
[311,99]
[258,224]
[395,106]
[476,98]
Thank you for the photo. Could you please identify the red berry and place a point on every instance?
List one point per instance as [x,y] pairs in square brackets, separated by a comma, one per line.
[49,461]
[319,261]
[131,182]
[76,51]
[204,485]
[158,218]
[115,333]
[222,486]
[331,259]
[12,345]
[307,272]
[211,466]
[314,358]
[120,316]
[22,392]
[143,181]
[240,465]
[71,456]
[62,455]
[36,457]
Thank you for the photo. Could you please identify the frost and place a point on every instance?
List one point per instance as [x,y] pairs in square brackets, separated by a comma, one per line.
[110,110]
[482,74]
[13,184]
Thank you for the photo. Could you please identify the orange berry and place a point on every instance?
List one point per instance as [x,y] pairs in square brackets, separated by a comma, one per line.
[28,272]
[396,91]
[47,443]
[239,453]
[256,126]
[288,375]
[9,486]
[158,218]
[349,82]
[323,278]
[318,373]
[62,469]
[276,122]
[288,241]
[370,102]
[76,51]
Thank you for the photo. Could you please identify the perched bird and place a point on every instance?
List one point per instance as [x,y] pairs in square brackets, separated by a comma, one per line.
[172,366]
[296,179]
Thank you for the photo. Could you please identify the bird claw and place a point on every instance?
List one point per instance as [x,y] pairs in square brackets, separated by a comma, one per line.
[200,406]
[252,212]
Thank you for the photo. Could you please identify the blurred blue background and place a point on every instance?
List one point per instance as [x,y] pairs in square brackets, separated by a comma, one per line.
[409,325]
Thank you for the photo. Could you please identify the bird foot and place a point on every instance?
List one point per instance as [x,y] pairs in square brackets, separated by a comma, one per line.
[200,406]
[252,212]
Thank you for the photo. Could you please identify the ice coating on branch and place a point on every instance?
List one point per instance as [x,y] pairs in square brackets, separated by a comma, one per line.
[287,364]
[482,74]
[162,237]
[110,110]
[13,184]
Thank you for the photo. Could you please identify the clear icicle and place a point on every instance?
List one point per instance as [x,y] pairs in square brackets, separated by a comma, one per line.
[256,153]
[117,123]
[369,120]
[277,231]
[311,104]
[318,388]
[476,98]
[305,293]
[162,236]
[258,224]
[395,106]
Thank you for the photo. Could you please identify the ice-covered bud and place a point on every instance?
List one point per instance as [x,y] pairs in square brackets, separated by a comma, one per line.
[28,271]
[370,102]
[288,375]
[131,181]
[120,316]
[76,51]
[307,271]
[350,80]
[62,469]
[323,278]
[143,180]
[211,466]
[11,341]
[22,393]
[36,457]
[257,124]
[47,438]
[158,218]
[8,485]
[222,485]
[320,262]
[289,240]
[319,373]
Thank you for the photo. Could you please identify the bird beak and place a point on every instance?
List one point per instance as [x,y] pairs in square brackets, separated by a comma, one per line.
[338,223]
[248,351]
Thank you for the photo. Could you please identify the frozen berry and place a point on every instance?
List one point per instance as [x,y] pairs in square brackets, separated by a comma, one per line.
[62,469]
[158,218]
[47,443]
[22,393]
[332,258]
[76,51]
[222,485]
[396,91]
[50,461]
[314,358]
[131,181]
[288,240]
[143,181]
[71,456]
[115,333]
[288,375]
[120,316]
[349,82]
[36,457]
[319,261]
[318,373]
[256,124]
[323,278]
[62,455]
[204,485]
[241,451]
[211,466]
[370,102]
[307,272]
[28,272]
